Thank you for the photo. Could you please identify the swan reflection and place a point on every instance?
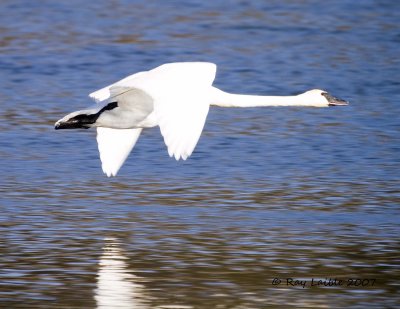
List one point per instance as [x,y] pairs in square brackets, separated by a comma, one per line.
[117,287]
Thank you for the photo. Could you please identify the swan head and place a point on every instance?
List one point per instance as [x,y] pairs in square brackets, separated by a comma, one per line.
[322,98]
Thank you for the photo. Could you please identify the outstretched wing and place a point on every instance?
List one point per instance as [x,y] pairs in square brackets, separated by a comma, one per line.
[104,93]
[182,111]
[180,93]
[181,122]
[114,147]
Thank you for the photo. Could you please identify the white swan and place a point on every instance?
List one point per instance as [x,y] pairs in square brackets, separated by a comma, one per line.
[174,96]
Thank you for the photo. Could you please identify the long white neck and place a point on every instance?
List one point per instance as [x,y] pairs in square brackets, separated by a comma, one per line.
[224,99]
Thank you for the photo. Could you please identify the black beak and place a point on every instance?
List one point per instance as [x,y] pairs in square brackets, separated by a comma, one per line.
[333,101]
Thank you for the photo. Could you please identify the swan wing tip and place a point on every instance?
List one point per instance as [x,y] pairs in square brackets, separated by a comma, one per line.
[114,147]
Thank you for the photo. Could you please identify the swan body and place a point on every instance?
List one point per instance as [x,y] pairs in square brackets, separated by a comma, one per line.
[174,96]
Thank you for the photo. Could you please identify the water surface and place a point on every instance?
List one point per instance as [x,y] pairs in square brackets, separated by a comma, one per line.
[286,193]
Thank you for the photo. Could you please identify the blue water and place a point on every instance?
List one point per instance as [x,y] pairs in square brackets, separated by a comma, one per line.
[268,193]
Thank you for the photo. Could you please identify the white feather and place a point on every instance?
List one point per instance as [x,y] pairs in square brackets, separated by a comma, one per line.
[180,98]
[104,93]
[181,123]
[181,102]
[114,147]
[174,96]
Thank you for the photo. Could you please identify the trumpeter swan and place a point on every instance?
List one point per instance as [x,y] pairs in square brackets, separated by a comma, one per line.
[174,96]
